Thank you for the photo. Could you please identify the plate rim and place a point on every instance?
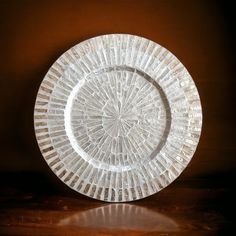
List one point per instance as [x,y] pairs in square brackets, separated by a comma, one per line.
[115,35]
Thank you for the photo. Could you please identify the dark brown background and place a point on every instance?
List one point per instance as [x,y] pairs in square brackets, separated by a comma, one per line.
[35,33]
[200,33]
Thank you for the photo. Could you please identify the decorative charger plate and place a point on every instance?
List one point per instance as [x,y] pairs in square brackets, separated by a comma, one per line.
[117,117]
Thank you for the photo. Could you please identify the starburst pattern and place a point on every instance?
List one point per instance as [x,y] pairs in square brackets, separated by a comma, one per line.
[117,117]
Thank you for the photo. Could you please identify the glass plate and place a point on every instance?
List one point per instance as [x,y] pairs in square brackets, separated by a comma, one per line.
[117,117]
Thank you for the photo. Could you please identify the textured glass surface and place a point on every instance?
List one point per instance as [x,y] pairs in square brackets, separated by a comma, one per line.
[117,117]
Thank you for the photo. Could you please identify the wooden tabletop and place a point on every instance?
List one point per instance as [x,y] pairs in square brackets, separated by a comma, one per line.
[45,207]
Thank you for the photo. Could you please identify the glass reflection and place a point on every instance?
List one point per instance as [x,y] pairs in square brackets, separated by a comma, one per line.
[121,217]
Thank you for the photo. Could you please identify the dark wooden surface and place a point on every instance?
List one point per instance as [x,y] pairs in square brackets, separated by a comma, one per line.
[190,207]
[34,34]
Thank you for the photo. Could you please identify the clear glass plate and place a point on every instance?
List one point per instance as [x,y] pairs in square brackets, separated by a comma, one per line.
[117,117]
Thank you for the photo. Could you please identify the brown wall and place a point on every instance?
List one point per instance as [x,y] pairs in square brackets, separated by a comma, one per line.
[35,33]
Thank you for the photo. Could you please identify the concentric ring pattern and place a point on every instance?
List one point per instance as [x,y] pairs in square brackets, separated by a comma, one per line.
[117,117]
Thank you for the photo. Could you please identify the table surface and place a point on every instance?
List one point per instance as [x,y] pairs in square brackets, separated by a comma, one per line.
[41,207]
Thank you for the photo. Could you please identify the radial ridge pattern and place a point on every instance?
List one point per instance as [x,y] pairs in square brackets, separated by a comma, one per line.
[117,117]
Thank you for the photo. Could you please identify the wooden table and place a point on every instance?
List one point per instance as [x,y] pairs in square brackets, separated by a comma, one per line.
[36,205]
